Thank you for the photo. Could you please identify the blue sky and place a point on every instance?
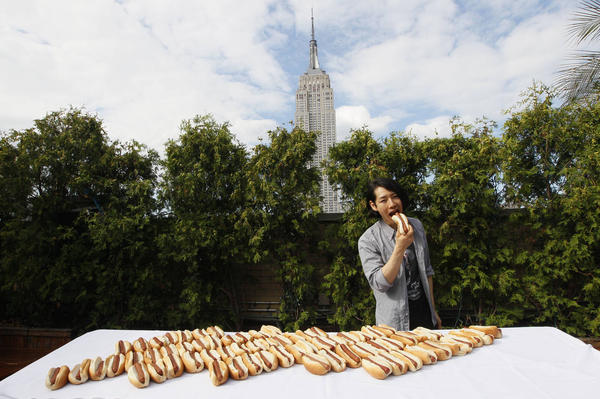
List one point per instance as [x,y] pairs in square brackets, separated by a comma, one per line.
[145,65]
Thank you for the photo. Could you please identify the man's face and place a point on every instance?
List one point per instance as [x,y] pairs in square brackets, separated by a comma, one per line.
[387,203]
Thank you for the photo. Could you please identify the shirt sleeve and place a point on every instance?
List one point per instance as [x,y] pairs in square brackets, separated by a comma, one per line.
[372,262]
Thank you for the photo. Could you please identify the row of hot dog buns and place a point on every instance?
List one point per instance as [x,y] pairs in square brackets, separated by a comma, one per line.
[380,350]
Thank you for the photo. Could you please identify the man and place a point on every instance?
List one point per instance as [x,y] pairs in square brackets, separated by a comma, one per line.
[396,265]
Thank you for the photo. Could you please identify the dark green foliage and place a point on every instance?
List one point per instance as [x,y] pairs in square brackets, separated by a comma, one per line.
[513,222]
[204,191]
[282,218]
[551,158]
[101,234]
[464,211]
[71,201]
[351,165]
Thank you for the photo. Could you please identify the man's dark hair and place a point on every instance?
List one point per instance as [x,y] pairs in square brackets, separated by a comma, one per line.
[388,184]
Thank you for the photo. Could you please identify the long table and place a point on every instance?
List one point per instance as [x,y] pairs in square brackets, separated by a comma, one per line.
[528,362]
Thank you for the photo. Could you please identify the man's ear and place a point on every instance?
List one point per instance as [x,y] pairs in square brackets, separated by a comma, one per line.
[373,206]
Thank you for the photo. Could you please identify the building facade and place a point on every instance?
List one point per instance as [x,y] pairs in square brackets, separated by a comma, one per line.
[315,113]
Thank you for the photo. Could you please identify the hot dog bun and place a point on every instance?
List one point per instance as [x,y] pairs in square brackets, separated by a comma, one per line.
[323,343]
[192,361]
[226,352]
[156,342]
[131,358]
[140,345]
[337,363]
[285,358]
[270,330]
[241,349]
[391,344]
[387,330]
[316,364]
[464,346]
[377,367]
[404,338]
[491,330]
[218,372]
[476,341]
[269,360]
[315,332]
[57,377]
[344,338]
[138,375]
[79,372]
[174,365]
[279,339]
[364,350]
[427,334]
[97,370]
[399,367]
[253,363]
[372,333]
[487,339]
[401,223]
[115,365]
[427,356]
[152,355]
[215,331]
[157,372]
[237,368]
[171,338]
[441,353]
[352,359]
[413,362]
[123,347]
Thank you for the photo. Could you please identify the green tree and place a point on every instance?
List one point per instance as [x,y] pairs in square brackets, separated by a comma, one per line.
[131,286]
[61,175]
[282,219]
[351,165]
[550,170]
[204,192]
[463,215]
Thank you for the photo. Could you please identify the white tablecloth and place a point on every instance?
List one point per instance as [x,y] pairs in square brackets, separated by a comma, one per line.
[530,362]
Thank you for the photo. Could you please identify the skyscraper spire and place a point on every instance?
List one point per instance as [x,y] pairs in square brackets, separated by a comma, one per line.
[312,22]
[315,112]
[314,58]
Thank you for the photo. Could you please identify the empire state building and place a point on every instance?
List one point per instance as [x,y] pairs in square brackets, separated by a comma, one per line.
[315,113]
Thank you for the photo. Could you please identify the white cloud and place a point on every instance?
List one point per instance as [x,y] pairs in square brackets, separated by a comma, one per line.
[249,131]
[355,117]
[435,127]
[145,65]
[442,66]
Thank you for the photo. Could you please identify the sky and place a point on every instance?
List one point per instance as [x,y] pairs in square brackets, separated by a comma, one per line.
[143,66]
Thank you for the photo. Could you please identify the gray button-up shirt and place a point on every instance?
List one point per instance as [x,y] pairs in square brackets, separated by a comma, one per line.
[375,248]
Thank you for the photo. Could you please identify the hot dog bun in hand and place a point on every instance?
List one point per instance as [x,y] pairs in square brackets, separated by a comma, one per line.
[401,222]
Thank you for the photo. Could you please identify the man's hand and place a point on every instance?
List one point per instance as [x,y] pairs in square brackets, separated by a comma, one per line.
[403,241]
